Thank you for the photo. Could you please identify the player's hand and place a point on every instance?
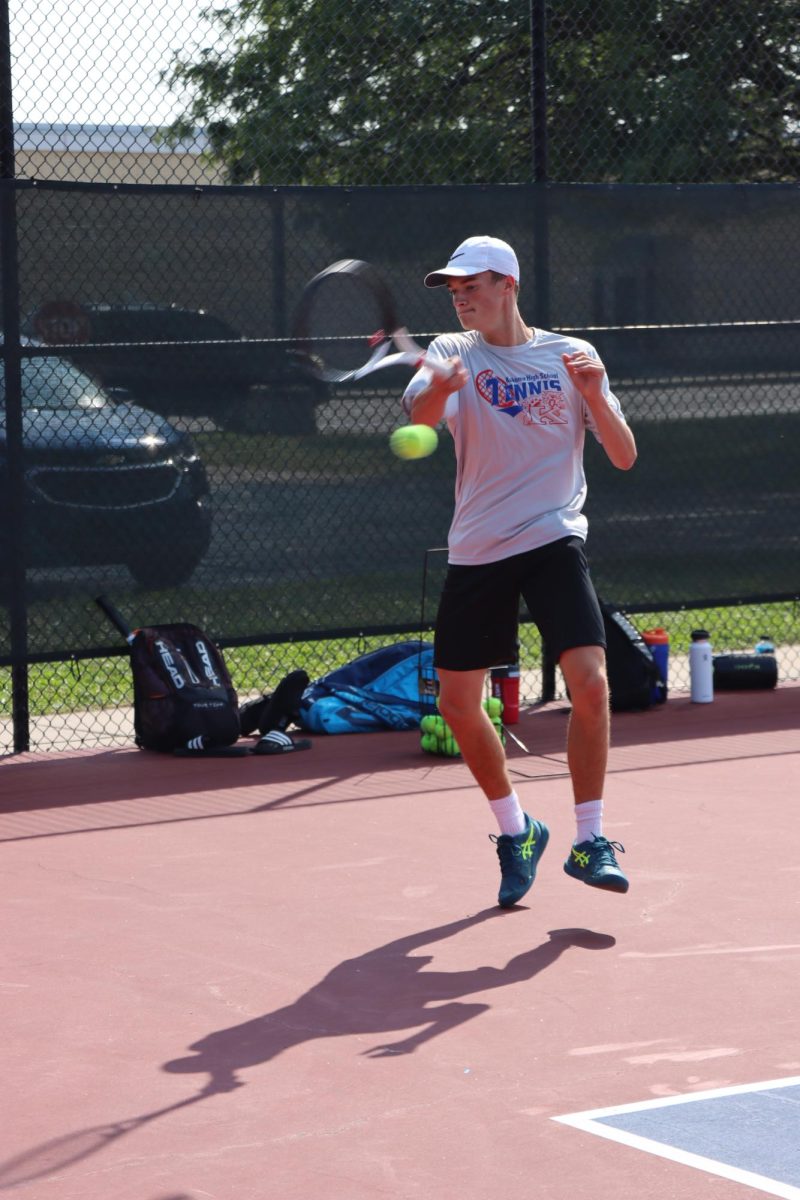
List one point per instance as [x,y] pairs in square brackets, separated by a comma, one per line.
[587,373]
[427,406]
[453,381]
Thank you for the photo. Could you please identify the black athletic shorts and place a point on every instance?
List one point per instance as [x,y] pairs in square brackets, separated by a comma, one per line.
[478,617]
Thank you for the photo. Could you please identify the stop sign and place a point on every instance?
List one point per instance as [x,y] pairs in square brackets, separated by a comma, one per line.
[61,322]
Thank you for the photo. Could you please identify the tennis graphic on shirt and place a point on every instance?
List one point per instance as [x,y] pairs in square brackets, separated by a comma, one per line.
[538,399]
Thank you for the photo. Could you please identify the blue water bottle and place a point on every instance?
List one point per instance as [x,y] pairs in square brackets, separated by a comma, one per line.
[658,641]
[765,645]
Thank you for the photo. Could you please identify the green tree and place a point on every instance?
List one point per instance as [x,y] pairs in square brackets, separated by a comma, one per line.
[357,92]
[686,91]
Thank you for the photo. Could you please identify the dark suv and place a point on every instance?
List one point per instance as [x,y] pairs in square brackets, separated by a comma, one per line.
[105,481]
[239,384]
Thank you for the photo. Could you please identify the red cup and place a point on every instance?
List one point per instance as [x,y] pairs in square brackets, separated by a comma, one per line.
[505,687]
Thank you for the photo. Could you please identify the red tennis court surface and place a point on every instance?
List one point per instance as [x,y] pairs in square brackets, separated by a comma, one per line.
[286,979]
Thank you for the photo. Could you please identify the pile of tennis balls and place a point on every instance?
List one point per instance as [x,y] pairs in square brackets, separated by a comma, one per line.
[437,736]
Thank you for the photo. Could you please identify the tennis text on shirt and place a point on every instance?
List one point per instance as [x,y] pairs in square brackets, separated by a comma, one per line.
[538,398]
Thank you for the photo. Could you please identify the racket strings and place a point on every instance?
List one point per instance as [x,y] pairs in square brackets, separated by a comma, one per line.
[344,324]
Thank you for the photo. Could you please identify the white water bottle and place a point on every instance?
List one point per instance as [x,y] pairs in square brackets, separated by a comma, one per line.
[701,668]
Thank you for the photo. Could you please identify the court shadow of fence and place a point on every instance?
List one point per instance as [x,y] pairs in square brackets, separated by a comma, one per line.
[730,714]
[119,788]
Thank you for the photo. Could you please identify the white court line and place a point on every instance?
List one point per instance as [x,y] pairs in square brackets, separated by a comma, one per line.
[709,950]
[588,1122]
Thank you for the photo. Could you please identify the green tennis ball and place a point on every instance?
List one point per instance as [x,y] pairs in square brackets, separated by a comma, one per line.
[428,724]
[494,706]
[413,441]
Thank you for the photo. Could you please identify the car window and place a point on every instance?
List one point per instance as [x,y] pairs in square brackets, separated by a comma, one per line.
[158,325]
[53,383]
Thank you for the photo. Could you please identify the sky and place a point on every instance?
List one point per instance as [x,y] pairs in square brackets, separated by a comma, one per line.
[98,62]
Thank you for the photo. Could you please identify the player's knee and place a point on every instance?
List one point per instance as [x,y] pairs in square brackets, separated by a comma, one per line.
[457,709]
[589,692]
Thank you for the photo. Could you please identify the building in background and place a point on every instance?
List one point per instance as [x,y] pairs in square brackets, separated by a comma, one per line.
[110,154]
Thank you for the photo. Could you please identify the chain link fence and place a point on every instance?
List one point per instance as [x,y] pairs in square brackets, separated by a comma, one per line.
[166,199]
[464,91]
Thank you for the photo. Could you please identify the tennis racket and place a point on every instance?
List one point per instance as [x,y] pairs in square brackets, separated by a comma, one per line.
[116,618]
[45,1159]
[346,326]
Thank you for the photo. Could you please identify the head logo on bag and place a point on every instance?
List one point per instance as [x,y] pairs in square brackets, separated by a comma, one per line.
[202,649]
[168,660]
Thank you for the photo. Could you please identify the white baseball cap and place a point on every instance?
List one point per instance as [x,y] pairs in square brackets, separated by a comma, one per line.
[474,255]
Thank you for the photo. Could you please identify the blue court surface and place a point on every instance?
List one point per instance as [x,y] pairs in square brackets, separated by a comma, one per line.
[749,1134]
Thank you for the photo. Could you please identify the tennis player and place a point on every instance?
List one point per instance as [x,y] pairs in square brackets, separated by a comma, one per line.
[518,404]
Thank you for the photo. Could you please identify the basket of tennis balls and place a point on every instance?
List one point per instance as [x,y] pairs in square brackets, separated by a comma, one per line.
[437,736]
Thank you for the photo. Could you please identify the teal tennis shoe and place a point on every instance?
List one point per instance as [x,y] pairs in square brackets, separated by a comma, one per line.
[519,856]
[595,863]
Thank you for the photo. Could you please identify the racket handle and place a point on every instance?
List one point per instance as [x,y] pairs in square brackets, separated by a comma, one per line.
[416,356]
[115,617]
[437,368]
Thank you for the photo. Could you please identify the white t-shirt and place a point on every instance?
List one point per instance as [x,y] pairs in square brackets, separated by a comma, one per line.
[519,428]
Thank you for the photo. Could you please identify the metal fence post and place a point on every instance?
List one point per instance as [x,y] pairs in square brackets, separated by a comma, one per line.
[539,160]
[14,504]
[279,307]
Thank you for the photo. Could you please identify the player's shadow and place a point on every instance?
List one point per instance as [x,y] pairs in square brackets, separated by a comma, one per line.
[384,991]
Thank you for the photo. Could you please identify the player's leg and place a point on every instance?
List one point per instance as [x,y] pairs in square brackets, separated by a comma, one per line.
[561,598]
[584,671]
[461,695]
[477,627]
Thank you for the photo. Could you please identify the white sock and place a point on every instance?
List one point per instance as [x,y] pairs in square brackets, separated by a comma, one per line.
[589,817]
[508,814]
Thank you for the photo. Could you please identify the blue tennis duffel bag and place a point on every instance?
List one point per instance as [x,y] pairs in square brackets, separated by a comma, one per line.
[378,690]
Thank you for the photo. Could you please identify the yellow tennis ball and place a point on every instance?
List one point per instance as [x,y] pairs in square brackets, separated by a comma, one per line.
[413,441]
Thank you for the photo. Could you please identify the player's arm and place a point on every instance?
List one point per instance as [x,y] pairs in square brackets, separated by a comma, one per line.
[426,396]
[589,376]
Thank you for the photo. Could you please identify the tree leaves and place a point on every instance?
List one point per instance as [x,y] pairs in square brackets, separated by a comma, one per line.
[353,92]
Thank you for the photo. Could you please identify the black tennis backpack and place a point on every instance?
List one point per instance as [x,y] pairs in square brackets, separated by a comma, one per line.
[183,698]
[634,681]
